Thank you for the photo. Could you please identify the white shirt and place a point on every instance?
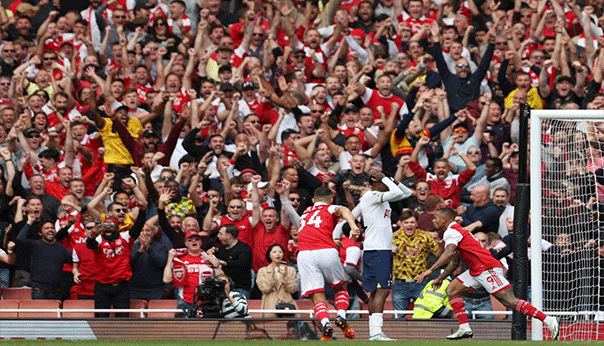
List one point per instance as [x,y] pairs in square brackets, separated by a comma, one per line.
[376,212]
[507,212]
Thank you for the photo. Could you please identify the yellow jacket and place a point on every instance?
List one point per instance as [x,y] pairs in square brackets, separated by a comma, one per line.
[430,301]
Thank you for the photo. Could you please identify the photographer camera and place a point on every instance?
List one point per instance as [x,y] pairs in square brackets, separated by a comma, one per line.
[234,304]
[188,271]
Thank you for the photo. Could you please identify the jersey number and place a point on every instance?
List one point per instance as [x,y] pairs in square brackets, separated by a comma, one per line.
[314,221]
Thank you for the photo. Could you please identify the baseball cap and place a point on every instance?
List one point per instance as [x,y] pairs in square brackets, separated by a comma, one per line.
[108,221]
[561,79]
[358,32]
[249,85]
[192,234]
[261,185]
[224,48]
[249,170]
[227,87]
[351,109]
[30,131]
[150,133]
[225,68]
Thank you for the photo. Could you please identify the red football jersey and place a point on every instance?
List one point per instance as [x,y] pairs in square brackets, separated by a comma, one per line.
[244,225]
[188,272]
[470,250]
[373,99]
[113,259]
[316,227]
[87,266]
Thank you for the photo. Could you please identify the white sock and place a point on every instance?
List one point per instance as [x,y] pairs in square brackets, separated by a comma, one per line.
[376,320]
[324,321]
[465,327]
[342,313]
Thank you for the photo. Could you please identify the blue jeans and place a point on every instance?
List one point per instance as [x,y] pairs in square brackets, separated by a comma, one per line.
[4,277]
[479,305]
[403,292]
[35,294]
[184,306]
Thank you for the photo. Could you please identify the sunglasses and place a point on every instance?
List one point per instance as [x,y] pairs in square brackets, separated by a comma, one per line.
[460,130]
[4,84]
[473,152]
[9,50]
[525,15]
[108,224]
[422,188]
[316,111]
[89,227]
[193,239]
[48,58]
[463,65]
[33,136]
[120,210]
[235,206]
[257,35]
[294,199]
[165,178]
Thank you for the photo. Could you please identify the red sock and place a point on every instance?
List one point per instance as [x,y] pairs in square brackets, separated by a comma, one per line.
[321,311]
[526,308]
[341,300]
[459,308]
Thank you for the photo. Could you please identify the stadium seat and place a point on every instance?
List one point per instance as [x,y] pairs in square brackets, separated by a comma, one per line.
[39,304]
[254,304]
[8,304]
[388,306]
[305,304]
[17,293]
[162,304]
[134,304]
[78,304]
[137,304]
[497,306]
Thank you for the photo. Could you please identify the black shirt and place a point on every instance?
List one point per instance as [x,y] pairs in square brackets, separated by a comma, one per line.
[47,260]
[239,264]
[357,182]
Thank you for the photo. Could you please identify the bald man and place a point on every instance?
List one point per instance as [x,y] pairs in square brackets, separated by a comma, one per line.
[483,214]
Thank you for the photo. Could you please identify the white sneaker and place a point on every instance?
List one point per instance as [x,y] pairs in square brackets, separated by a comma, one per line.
[380,337]
[461,334]
[554,328]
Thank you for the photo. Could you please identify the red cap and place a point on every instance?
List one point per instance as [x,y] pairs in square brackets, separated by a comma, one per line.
[249,170]
[192,234]
[358,32]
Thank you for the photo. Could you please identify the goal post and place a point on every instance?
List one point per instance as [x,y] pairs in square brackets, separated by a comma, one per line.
[565,221]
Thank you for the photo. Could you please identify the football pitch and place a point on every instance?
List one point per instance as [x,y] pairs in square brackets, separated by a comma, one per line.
[284,342]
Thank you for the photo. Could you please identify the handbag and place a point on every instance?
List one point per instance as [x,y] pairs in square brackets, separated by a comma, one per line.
[284,306]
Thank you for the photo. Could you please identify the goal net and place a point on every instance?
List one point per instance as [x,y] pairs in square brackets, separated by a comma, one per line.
[567,204]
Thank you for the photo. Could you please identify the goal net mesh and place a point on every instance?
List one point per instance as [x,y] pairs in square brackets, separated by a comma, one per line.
[572,203]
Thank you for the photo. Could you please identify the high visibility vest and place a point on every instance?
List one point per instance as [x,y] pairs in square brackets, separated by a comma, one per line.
[430,301]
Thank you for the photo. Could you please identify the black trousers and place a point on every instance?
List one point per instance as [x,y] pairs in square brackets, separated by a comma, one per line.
[106,295]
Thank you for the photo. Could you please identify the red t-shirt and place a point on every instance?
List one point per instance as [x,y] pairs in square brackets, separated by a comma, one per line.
[373,99]
[316,227]
[113,259]
[188,272]
[244,225]
[470,250]
[87,265]
[264,239]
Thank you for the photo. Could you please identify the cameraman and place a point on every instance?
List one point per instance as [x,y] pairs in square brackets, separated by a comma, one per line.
[235,304]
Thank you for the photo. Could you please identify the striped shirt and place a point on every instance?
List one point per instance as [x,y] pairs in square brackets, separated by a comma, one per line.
[237,310]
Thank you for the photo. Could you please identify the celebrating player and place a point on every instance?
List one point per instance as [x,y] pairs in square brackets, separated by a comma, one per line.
[484,270]
[377,252]
[319,261]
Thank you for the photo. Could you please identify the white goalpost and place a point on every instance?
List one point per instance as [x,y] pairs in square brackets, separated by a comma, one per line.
[566,227]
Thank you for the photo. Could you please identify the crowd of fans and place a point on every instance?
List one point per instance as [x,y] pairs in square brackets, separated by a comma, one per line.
[139,137]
